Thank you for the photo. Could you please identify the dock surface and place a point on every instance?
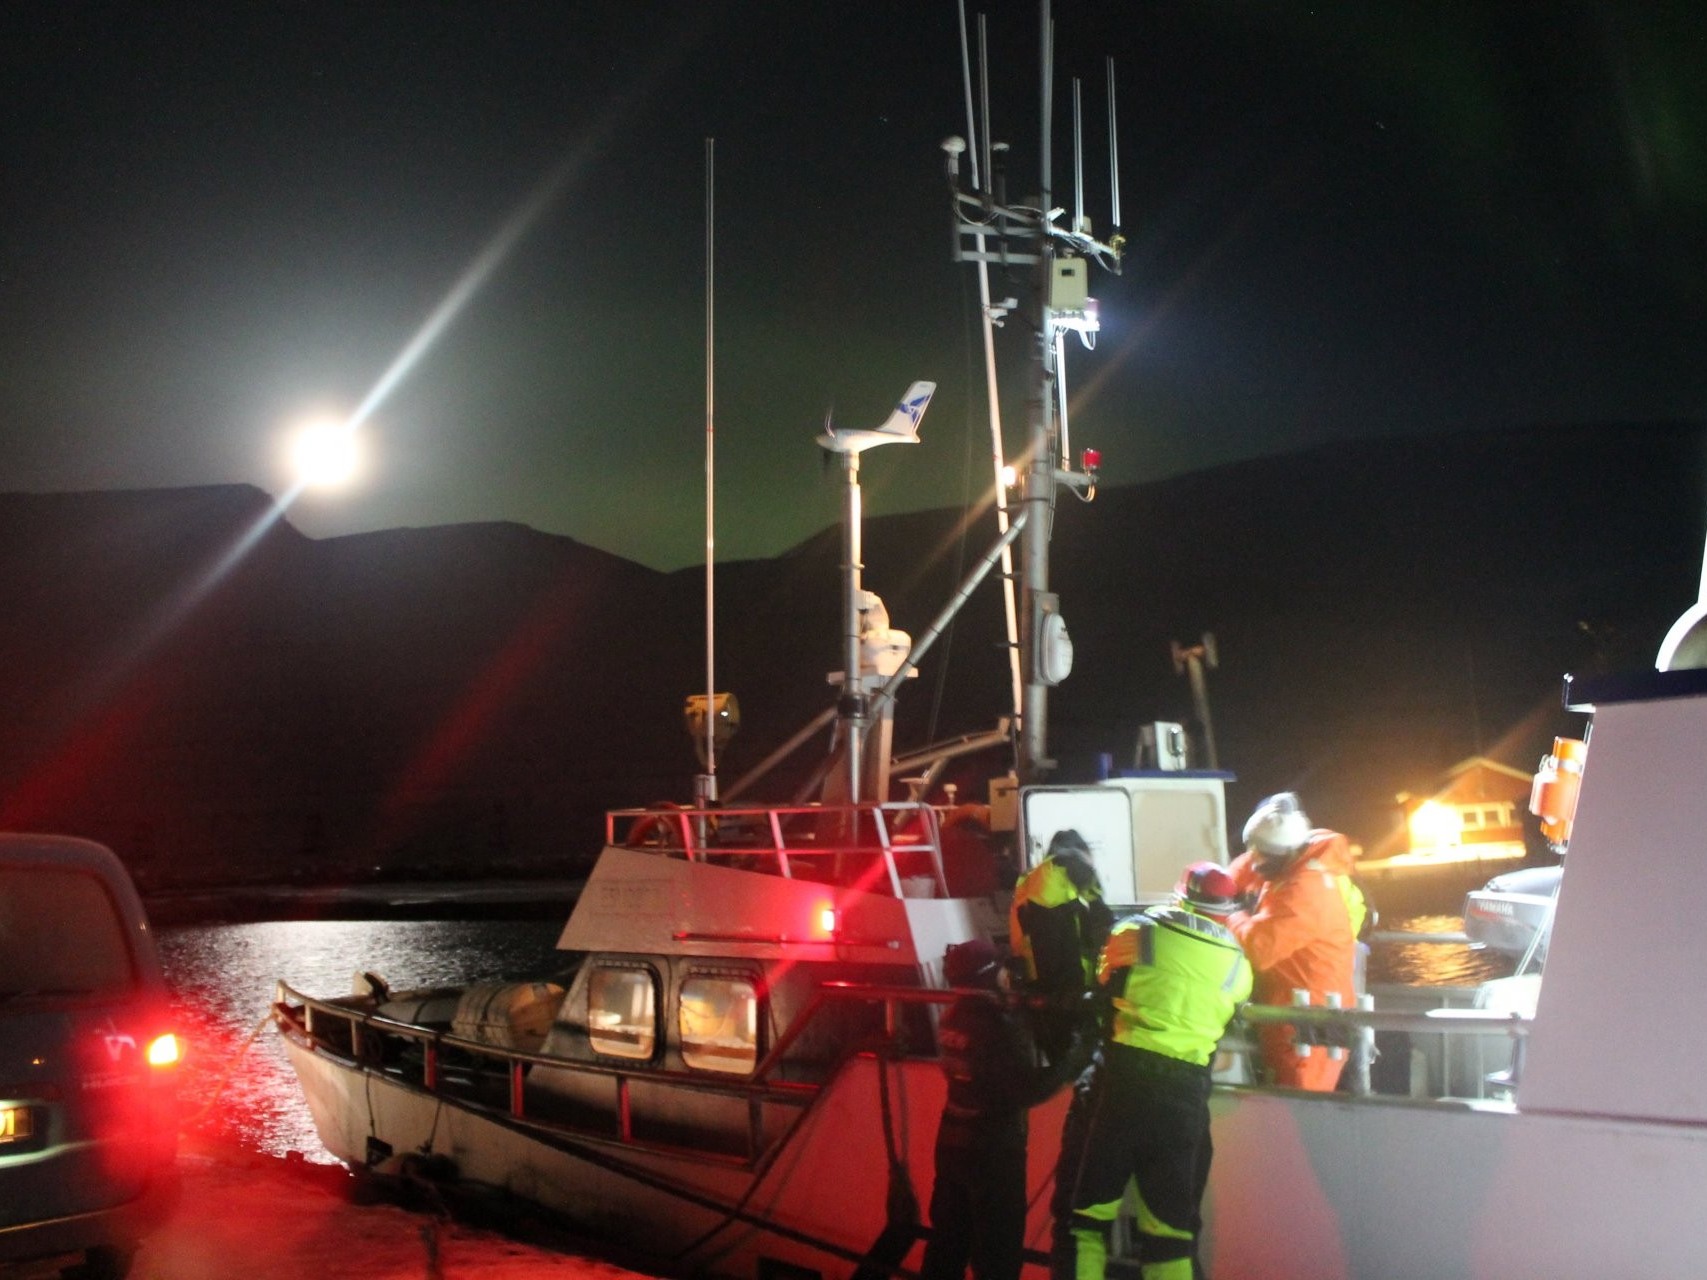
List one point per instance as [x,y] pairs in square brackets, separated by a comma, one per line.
[245,1216]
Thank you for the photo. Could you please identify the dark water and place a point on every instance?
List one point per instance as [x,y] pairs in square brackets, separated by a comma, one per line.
[237,1086]
[1433,964]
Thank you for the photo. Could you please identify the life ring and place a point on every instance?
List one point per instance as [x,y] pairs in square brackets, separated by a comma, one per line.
[659,829]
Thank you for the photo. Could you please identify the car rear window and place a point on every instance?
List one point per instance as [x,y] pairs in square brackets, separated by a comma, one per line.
[60,934]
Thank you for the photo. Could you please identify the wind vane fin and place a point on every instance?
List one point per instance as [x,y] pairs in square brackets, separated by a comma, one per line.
[900,427]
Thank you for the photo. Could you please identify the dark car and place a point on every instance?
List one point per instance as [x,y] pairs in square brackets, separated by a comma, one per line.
[88,1125]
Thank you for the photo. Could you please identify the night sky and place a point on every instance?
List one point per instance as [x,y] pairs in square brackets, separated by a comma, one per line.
[1343,220]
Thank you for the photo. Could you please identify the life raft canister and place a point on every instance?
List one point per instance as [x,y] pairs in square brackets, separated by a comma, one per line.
[1553,798]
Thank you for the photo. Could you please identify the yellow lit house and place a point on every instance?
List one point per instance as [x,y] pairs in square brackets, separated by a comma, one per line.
[1473,822]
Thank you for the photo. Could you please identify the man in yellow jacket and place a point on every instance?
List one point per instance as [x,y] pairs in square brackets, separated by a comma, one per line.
[1057,923]
[1177,975]
[1302,933]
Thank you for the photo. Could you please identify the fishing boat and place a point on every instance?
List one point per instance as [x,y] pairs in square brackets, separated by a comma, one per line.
[734,1070]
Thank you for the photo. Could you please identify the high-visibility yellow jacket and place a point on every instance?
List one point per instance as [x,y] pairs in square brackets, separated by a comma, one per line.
[1177,978]
[1057,927]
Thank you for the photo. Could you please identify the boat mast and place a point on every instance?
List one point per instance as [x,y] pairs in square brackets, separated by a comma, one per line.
[1038,495]
[852,709]
[989,230]
[991,315]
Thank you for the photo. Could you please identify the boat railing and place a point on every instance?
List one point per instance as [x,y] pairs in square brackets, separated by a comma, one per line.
[1492,1039]
[361,1035]
[893,847]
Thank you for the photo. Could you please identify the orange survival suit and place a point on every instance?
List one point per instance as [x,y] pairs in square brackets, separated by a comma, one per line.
[1302,934]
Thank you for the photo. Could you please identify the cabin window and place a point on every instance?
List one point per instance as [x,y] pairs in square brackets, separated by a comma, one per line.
[622,1019]
[719,1022]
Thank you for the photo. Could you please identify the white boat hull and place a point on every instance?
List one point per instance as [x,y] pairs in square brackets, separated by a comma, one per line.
[1303,1187]
[820,1205]
[1323,1188]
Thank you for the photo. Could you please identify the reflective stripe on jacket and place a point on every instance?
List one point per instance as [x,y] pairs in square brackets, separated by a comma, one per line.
[1185,977]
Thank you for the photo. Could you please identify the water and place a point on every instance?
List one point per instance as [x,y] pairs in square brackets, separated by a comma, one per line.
[237,1086]
[1434,964]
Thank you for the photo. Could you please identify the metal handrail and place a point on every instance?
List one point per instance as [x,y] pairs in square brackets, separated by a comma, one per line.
[1316,1025]
[757,1086]
[693,834]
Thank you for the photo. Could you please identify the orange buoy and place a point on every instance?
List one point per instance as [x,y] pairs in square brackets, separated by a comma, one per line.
[1553,798]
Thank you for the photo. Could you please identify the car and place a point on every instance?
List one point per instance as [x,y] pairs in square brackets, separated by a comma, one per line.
[88,1062]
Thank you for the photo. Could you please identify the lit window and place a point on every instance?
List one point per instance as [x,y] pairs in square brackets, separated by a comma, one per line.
[719,1023]
[622,1012]
[1469,819]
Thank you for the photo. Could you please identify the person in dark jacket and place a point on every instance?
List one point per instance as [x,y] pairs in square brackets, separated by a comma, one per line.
[978,1202]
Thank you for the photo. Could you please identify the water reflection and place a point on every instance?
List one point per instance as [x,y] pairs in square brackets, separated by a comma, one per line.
[223,977]
[1434,964]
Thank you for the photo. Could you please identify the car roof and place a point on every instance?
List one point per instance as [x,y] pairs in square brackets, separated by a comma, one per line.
[72,853]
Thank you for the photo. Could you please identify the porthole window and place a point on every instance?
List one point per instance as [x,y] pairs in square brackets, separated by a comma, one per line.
[719,1024]
[622,1017]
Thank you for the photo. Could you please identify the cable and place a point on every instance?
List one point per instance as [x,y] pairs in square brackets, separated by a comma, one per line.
[230,1066]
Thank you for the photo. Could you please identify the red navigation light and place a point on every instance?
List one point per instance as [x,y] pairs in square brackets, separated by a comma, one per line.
[1090,460]
[163,1051]
[827,921]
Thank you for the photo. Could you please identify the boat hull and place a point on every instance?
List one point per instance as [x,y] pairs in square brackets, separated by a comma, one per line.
[1326,1188]
[1303,1187]
[819,1205]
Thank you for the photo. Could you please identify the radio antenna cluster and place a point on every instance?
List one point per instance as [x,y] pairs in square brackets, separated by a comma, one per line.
[991,232]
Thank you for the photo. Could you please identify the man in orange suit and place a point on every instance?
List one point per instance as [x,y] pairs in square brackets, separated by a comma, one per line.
[1302,932]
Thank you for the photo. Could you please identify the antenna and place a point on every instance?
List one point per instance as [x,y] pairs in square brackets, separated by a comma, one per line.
[966,85]
[990,317]
[707,784]
[1046,157]
[984,96]
[1113,155]
[1078,161]
[991,232]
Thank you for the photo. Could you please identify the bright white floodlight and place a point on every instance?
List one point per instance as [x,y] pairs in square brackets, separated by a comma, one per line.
[326,455]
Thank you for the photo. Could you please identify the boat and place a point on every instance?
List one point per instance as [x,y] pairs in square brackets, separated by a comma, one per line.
[734,1072]
[1513,913]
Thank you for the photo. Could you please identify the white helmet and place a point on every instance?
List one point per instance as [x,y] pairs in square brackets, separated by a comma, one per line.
[1278,828]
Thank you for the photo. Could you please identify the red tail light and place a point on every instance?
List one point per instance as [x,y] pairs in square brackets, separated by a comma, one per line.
[164,1051]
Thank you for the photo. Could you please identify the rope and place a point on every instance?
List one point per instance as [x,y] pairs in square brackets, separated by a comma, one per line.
[225,1076]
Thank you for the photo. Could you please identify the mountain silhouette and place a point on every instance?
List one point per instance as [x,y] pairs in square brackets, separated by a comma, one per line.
[187,678]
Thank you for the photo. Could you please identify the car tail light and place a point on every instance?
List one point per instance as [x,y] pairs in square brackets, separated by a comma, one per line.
[164,1051]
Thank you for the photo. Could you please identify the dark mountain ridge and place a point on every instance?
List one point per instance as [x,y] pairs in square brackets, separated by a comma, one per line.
[187,678]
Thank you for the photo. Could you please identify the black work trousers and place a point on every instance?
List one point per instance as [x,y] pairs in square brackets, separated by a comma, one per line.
[1149,1123]
[977,1207]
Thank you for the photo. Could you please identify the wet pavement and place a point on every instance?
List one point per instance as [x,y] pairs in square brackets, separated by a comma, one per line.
[246,1216]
